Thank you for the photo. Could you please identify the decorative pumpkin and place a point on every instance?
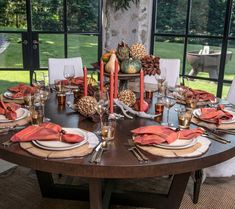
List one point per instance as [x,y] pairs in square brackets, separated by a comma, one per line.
[131,66]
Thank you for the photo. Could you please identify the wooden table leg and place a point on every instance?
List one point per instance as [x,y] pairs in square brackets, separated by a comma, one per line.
[95,193]
[197,185]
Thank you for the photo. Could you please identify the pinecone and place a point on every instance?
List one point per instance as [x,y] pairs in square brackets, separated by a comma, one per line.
[138,51]
[123,51]
[150,65]
[127,97]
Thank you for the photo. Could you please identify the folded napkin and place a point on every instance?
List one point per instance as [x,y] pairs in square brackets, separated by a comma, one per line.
[21,90]
[8,109]
[199,95]
[74,81]
[215,115]
[158,134]
[46,132]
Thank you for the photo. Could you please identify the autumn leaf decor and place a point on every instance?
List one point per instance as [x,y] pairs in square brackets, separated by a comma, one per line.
[123,4]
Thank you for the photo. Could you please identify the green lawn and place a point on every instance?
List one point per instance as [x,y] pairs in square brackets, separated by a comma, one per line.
[52,45]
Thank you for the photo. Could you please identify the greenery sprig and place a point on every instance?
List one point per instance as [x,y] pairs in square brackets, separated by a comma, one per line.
[123,4]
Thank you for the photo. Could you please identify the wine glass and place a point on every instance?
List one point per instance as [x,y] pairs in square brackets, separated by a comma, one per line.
[69,74]
[44,95]
[102,105]
[161,83]
[39,80]
[168,103]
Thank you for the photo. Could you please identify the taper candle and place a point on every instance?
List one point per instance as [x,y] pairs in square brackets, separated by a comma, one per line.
[141,90]
[116,79]
[111,81]
[85,80]
[101,76]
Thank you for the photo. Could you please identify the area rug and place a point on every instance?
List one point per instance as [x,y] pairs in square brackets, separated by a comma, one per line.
[20,189]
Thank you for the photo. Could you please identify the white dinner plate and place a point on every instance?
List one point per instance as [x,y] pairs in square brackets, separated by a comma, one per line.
[58,145]
[178,144]
[197,113]
[21,113]
[9,94]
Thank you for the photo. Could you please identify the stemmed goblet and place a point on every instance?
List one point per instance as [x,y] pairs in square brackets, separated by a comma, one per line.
[168,103]
[39,80]
[102,105]
[161,84]
[69,74]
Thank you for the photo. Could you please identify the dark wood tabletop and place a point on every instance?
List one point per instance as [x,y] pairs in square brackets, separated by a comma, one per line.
[117,161]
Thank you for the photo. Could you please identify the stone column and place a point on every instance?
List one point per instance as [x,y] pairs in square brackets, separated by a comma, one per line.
[132,25]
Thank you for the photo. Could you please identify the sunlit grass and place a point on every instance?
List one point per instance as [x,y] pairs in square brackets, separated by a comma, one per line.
[85,46]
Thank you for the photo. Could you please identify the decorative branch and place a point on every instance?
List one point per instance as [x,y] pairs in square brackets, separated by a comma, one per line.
[123,4]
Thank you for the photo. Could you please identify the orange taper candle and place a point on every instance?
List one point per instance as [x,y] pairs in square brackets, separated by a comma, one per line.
[101,76]
[141,90]
[111,92]
[85,80]
[116,79]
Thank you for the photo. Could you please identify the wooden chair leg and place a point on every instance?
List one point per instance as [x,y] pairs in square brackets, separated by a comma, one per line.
[197,185]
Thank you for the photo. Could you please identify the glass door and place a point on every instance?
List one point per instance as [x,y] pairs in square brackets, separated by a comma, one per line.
[31,31]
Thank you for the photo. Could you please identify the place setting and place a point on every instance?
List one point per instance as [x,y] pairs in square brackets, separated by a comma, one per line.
[166,141]
[49,140]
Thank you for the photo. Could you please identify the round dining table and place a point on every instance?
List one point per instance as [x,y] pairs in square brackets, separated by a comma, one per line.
[117,163]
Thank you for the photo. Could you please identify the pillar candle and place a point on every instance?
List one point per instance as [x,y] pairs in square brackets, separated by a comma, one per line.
[116,79]
[85,80]
[111,92]
[141,90]
[101,76]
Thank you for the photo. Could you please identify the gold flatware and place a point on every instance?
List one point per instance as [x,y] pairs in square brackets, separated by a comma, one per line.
[7,143]
[95,153]
[219,137]
[139,158]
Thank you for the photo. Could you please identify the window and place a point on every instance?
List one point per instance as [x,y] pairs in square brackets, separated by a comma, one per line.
[187,29]
[32,31]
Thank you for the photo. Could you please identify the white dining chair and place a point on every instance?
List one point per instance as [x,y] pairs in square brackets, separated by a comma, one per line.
[231,93]
[56,67]
[170,68]
[224,169]
[227,168]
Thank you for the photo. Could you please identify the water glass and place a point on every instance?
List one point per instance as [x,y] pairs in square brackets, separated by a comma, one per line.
[159,109]
[37,114]
[61,98]
[108,130]
[184,119]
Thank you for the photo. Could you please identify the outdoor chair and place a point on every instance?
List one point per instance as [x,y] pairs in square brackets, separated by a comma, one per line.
[169,68]
[56,67]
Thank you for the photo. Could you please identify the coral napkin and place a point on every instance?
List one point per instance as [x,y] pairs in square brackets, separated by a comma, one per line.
[75,81]
[215,115]
[200,95]
[21,90]
[158,134]
[46,132]
[8,109]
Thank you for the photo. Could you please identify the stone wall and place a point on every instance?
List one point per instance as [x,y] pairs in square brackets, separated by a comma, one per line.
[131,26]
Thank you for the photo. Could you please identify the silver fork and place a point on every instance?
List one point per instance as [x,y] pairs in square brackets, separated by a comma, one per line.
[135,148]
